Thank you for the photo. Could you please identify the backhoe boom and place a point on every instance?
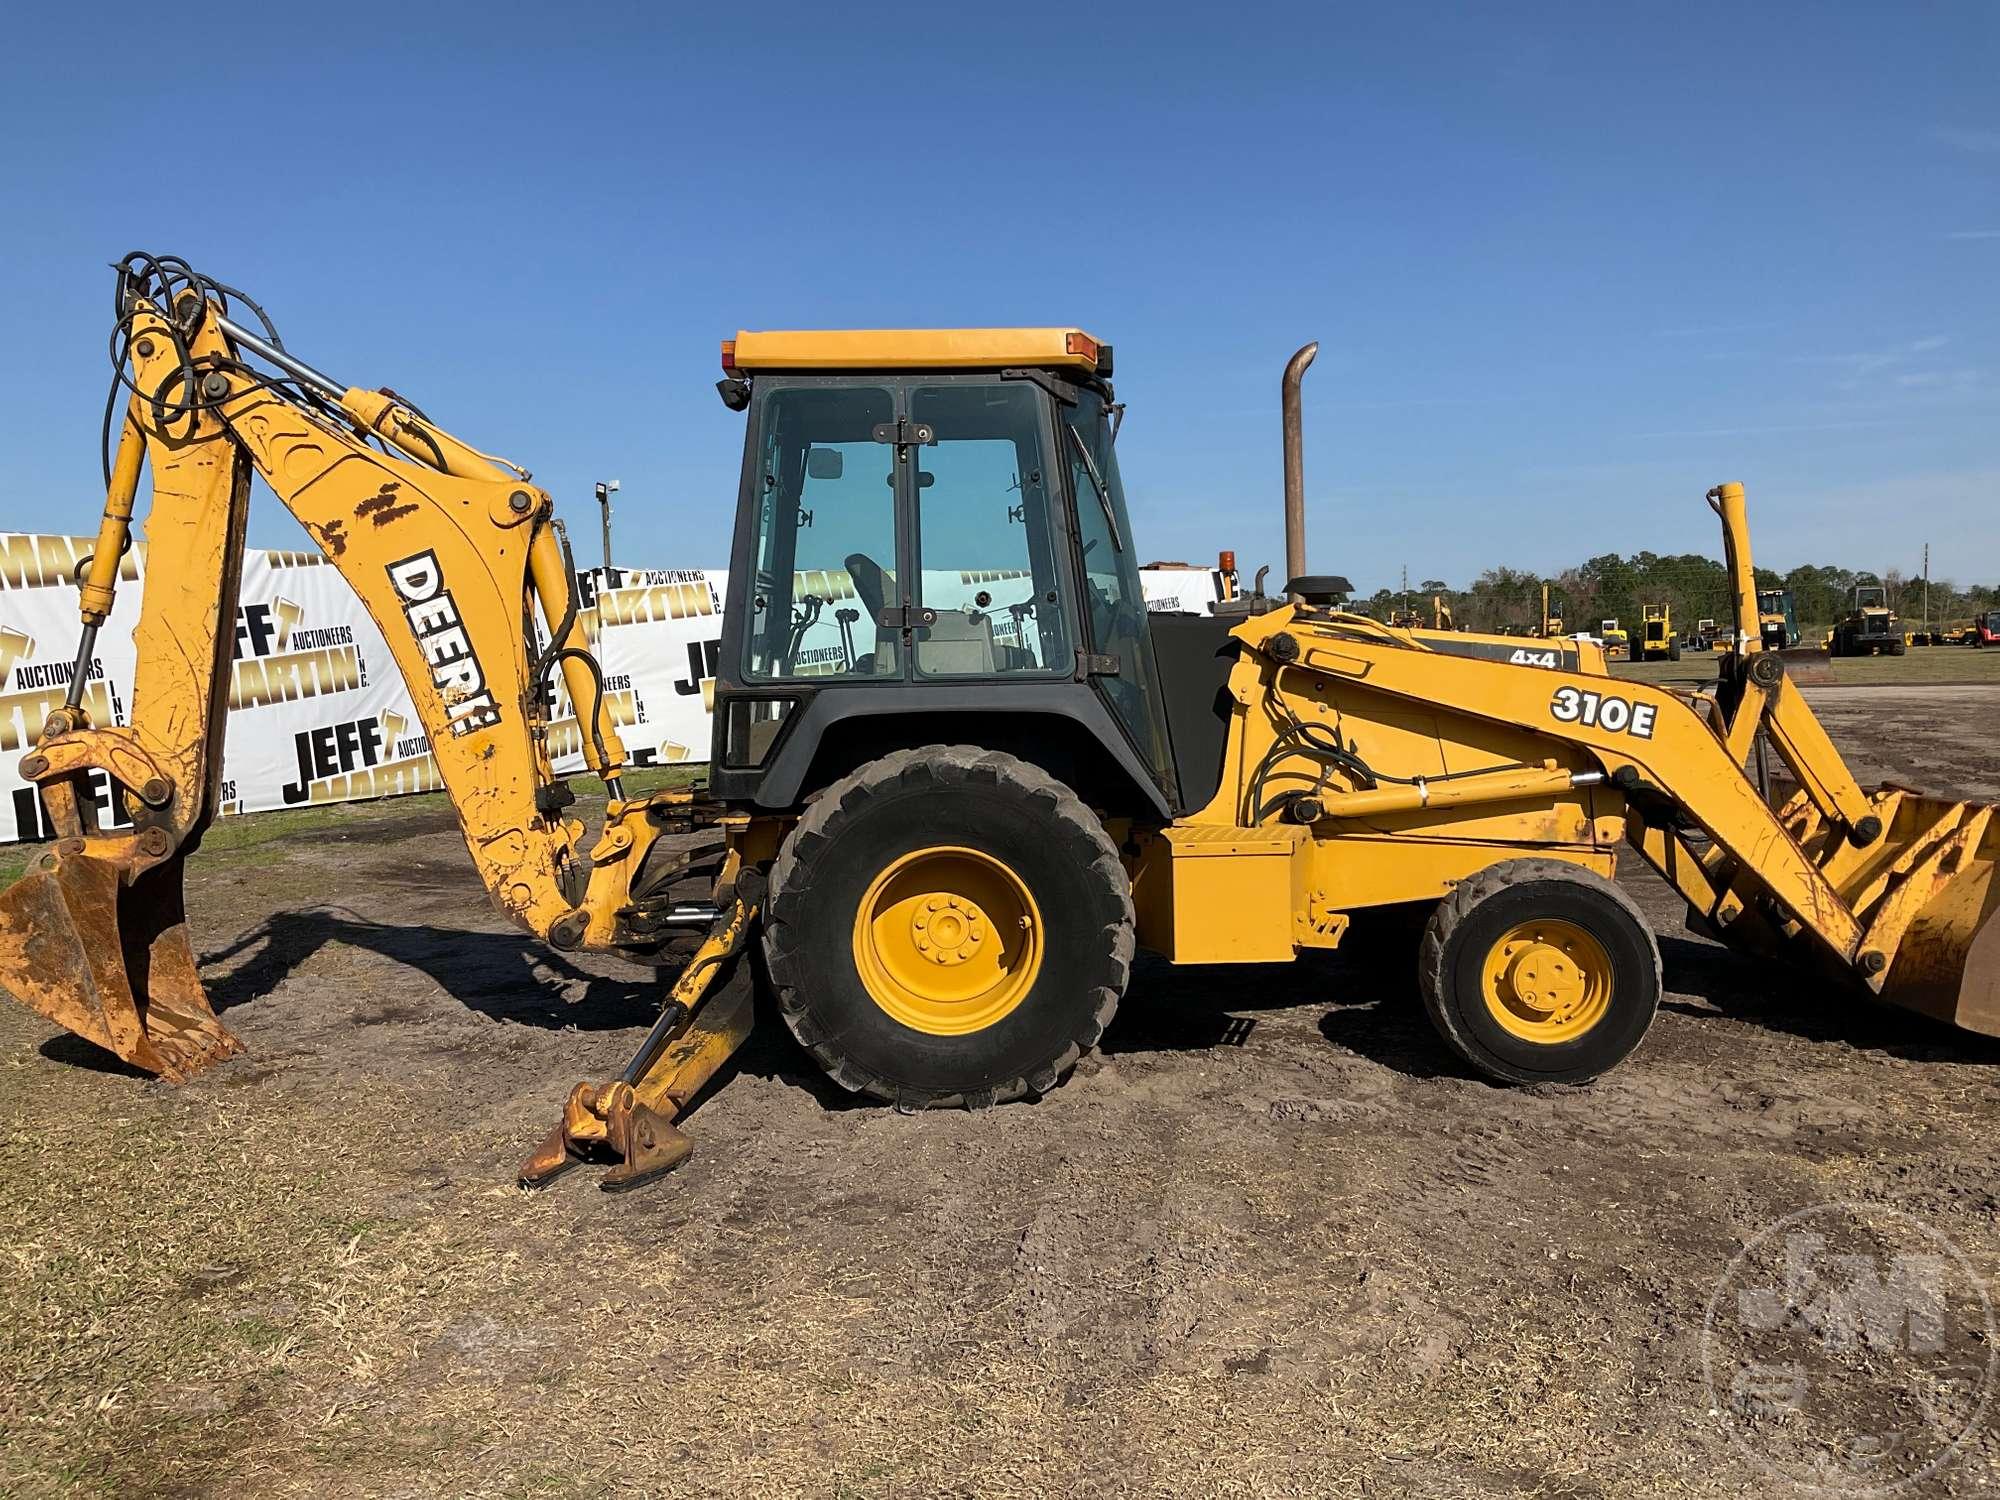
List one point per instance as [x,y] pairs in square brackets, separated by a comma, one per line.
[445,546]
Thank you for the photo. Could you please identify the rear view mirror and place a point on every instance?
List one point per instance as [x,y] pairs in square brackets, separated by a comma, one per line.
[823,463]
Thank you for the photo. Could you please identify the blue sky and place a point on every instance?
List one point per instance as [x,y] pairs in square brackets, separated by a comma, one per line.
[1567,271]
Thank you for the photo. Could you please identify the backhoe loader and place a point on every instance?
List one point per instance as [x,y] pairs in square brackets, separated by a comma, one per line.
[948,838]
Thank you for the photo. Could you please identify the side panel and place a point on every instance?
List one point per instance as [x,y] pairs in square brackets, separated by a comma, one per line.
[1194,654]
[1213,895]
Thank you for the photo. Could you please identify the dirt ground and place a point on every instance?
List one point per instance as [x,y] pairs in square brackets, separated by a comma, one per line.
[1271,1239]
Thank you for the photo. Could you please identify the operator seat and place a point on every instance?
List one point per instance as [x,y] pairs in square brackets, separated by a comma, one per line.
[871,587]
[868,583]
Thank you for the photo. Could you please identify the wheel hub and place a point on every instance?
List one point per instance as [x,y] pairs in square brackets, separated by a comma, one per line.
[1547,981]
[948,929]
[948,940]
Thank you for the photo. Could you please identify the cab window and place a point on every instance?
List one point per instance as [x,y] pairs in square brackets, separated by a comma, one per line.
[826,536]
[985,543]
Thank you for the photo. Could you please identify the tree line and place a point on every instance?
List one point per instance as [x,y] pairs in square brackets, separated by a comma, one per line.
[1695,587]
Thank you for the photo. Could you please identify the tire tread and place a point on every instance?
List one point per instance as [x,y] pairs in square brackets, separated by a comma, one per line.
[1433,952]
[942,766]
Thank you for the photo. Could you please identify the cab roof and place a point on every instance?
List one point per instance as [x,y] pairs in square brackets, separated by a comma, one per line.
[917,349]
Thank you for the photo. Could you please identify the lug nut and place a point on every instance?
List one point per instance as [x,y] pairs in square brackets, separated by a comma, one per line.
[519,502]
[155,791]
[154,841]
[144,348]
[215,385]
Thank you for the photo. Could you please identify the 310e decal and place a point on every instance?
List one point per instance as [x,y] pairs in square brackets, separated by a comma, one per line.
[1603,711]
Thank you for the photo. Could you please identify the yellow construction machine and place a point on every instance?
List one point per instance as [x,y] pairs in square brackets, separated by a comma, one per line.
[1551,624]
[1657,641]
[949,842]
[1869,627]
[1777,619]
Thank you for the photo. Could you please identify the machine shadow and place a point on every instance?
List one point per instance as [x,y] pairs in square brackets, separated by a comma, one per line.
[1369,981]
[1801,1003]
[73,1051]
[503,975]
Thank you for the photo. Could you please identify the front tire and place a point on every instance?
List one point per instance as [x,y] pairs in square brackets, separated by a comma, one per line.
[1538,971]
[948,926]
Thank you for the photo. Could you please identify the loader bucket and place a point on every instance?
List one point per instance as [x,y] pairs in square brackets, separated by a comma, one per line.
[1948,962]
[1808,665]
[112,963]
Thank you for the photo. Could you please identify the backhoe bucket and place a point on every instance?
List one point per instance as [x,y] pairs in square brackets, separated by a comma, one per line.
[112,963]
[1947,963]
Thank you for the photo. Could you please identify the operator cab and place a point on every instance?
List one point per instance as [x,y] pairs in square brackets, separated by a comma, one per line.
[932,546]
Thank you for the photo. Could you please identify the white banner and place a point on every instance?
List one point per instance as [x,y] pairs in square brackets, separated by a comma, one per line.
[317,712]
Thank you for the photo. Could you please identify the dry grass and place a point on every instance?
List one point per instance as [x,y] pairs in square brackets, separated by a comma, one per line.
[1315,1263]
[220,1305]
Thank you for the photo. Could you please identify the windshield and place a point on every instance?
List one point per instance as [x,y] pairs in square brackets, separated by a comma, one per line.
[943,549]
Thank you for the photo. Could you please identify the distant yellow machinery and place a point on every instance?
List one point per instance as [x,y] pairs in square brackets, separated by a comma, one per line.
[1870,627]
[1657,641]
[1777,621]
[1551,624]
[1617,639]
[950,821]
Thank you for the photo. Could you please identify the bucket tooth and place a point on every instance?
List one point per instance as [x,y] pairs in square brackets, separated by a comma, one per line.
[112,963]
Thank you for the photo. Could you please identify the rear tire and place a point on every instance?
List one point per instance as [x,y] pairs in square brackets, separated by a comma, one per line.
[1674,651]
[1537,971]
[1033,903]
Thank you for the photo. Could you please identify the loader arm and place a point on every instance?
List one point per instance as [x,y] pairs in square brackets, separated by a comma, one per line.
[1893,888]
[450,551]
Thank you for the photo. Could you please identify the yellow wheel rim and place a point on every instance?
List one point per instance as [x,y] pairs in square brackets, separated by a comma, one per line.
[948,940]
[1547,981]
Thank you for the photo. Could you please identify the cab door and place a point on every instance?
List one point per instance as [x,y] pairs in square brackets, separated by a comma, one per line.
[986,596]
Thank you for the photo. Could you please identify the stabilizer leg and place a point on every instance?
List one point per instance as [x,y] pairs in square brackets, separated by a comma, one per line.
[630,1121]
